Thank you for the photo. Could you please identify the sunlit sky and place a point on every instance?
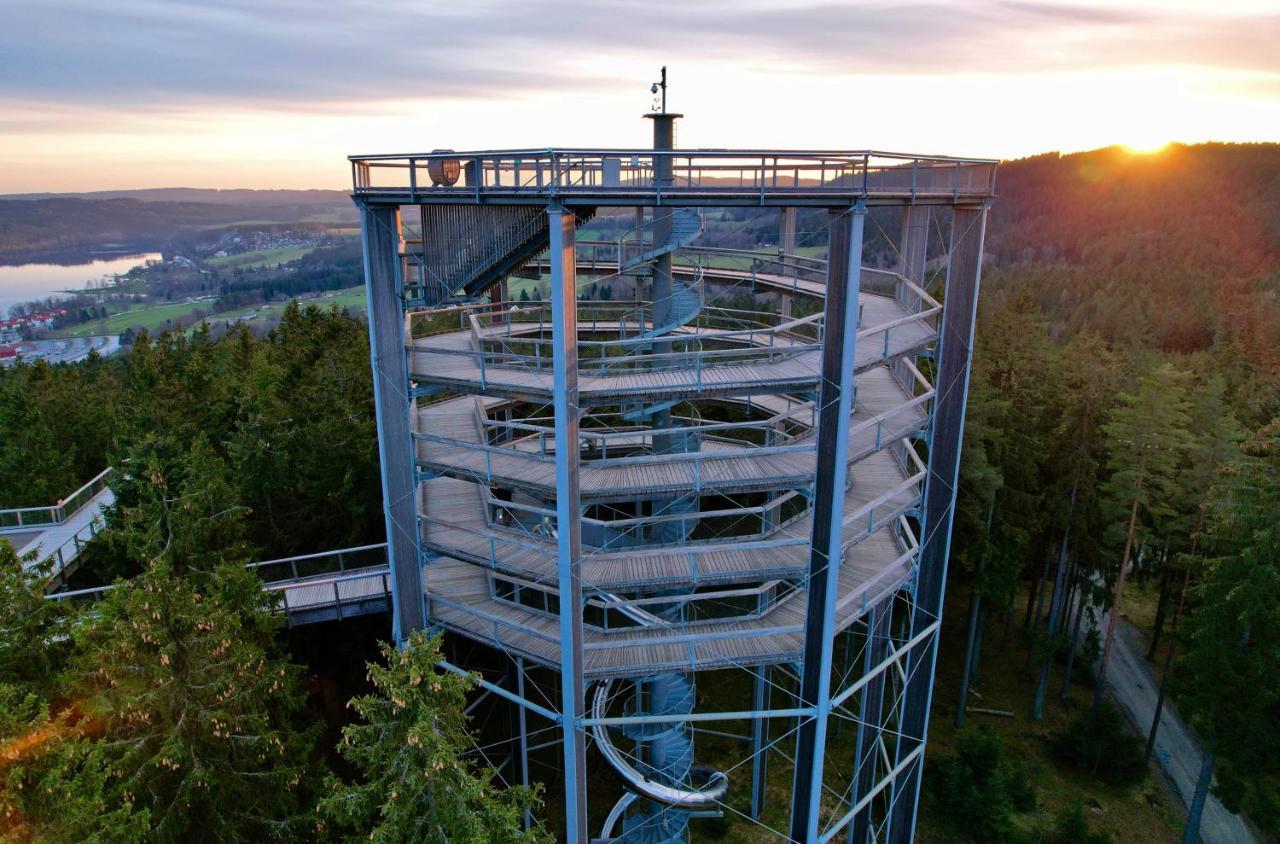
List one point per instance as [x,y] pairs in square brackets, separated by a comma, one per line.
[276,93]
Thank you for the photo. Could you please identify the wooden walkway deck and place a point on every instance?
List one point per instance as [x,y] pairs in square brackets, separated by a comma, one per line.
[454,361]
[60,545]
[886,483]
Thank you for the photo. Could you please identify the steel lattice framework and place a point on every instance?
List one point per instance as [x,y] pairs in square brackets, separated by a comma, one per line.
[634,491]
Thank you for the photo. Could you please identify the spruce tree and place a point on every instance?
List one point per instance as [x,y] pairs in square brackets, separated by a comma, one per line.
[413,783]
[1148,443]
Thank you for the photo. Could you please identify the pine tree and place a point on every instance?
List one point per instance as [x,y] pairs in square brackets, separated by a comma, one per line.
[1148,443]
[1228,679]
[195,712]
[414,784]
[33,648]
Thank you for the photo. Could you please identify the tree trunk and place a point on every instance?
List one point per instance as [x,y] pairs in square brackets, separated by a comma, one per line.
[1074,644]
[1034,616]
[1008,615]
[1169,665]
[975,606]
[1115,605]
[1037,711]
[977,650]
[1191,835]
[1160,611]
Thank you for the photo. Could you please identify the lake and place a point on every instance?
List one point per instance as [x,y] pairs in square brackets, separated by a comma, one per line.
[38,281]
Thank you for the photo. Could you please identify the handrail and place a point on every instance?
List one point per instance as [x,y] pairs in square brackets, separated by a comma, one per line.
[13,517]
[742,175]
[548,152]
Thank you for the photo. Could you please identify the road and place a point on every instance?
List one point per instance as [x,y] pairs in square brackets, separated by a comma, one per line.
[1132,683]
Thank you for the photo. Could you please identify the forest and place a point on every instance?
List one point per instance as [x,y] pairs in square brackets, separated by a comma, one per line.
[1123,433]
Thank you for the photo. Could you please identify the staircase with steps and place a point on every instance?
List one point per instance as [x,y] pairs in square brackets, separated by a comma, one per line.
[664,751]
[467,249]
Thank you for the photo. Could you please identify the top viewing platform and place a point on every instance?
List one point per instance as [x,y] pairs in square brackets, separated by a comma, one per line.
[709,177]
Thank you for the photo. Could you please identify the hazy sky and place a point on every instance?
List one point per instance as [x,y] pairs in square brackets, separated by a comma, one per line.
[101,94]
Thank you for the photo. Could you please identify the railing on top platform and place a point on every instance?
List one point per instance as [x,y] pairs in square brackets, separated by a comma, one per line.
[730,175]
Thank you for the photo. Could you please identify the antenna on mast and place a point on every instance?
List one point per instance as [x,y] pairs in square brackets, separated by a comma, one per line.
[660,85]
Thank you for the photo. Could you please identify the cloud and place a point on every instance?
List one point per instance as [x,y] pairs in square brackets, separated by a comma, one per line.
[299,54]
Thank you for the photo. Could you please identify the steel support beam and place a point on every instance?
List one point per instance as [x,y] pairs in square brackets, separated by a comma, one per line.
[564,373]
[522,730]
[870,718]
[787,230]
[760,742]
[914,244]
[384,289]
[835,402]
[955,354]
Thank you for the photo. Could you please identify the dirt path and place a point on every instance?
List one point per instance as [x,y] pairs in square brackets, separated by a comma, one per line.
[1133,685]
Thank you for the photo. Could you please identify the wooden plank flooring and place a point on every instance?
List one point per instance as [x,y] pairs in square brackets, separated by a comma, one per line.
[453,361]
[454,525]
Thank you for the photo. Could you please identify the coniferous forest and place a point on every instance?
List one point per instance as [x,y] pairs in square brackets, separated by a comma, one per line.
[1122,442]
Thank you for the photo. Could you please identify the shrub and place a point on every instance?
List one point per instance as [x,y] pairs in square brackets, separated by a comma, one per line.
[976,792]
[1097,742]
[1072,827]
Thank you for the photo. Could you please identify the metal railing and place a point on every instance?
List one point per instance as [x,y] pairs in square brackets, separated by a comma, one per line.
[726,174]
[24,518]
[324,562]
[66,553]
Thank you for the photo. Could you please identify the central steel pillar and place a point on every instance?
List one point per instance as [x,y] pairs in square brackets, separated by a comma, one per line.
[760,742]
[564,373]
[835,405]
[384,291]
[955,354]
[870,718]
[914,243]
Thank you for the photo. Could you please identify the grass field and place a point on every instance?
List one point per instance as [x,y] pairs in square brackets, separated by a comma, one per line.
[153,318]
[156,318]
[351,298]
[260,258]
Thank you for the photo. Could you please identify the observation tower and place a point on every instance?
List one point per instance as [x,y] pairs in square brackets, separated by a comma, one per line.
[684,503]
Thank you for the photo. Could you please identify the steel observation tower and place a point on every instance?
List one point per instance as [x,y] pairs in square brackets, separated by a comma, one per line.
[688,507]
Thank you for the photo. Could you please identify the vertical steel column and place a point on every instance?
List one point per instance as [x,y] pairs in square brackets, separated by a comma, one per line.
[522,726]
[787,229]
[384,289]
[870,716]
[835,404]
[913,248]
[564,373]
[759,742]
[664,138]
[955,354]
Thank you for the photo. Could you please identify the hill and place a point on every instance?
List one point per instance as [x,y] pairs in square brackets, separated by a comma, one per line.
[42,228]
[1176,251]
[213,196]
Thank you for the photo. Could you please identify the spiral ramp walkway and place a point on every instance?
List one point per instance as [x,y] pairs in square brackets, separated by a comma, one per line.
[665,596]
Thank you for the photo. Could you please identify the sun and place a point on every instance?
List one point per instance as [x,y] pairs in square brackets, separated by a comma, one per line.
[1145,147]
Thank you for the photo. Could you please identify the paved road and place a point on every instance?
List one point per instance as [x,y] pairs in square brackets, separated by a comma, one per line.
[1132,683]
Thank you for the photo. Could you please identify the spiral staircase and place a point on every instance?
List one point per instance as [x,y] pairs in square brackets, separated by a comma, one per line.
[658,538]
[638,249]
[662,767]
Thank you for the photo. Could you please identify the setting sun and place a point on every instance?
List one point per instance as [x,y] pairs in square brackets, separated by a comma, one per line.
[1146,147]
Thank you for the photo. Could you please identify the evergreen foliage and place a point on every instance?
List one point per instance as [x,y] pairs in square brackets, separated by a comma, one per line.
[977,791]
[1098,742]
[1227,680]
[414,784]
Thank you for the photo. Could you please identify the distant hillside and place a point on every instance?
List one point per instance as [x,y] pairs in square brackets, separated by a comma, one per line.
[1177,250]
[205,195]
[39,229]
[1214,207]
